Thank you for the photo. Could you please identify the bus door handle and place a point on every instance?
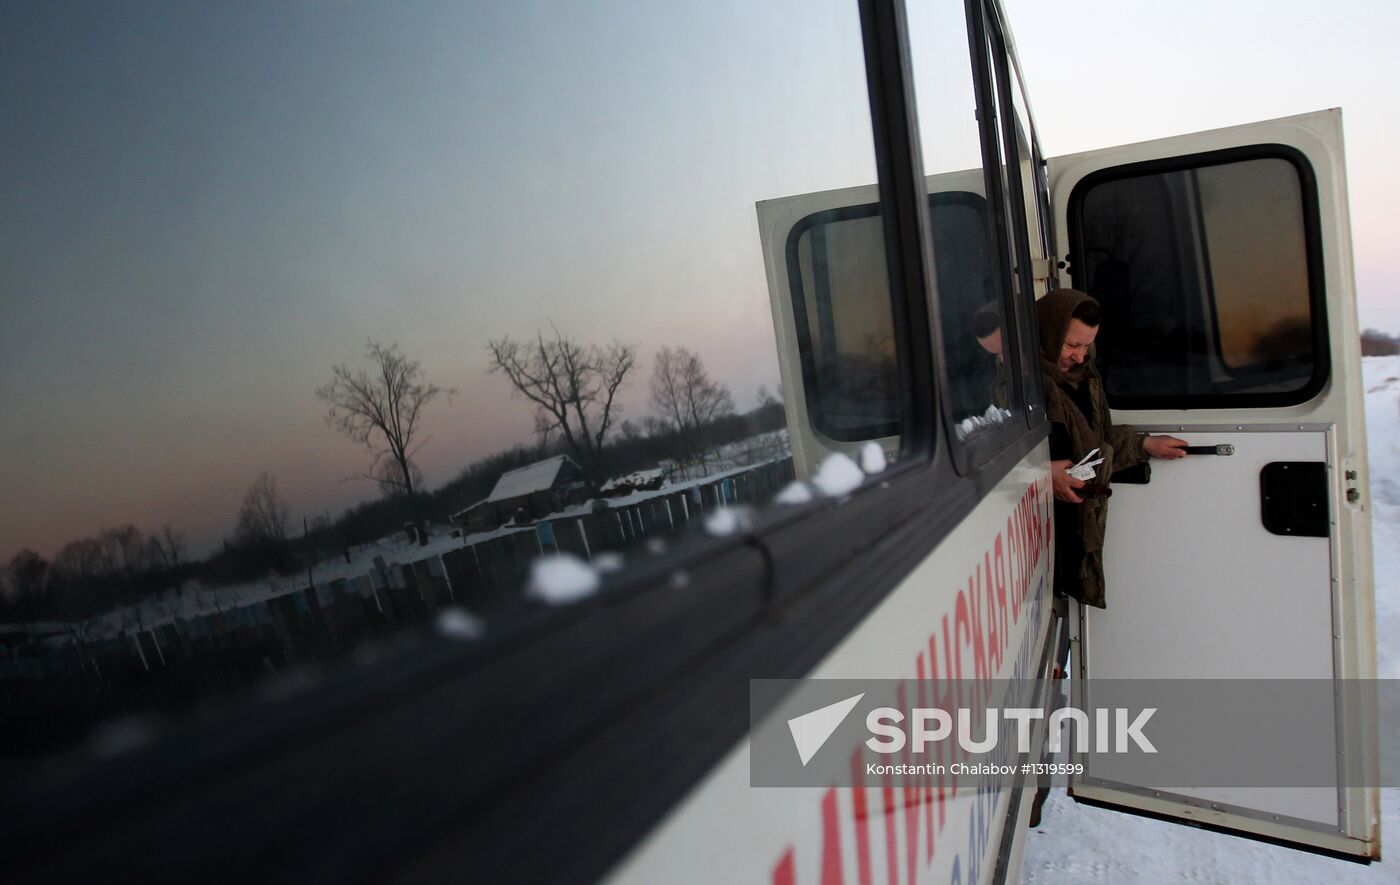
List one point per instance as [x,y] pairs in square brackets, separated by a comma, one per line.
[1210,450]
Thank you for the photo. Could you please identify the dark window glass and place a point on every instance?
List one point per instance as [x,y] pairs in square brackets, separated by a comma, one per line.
[332,325]
[1035,197]
[1014,286]
[972,319]
[972,305]
[846,332]
[1204,278]
[841,300]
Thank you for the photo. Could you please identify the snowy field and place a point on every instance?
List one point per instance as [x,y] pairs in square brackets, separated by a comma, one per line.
[195,600]
[1076,843]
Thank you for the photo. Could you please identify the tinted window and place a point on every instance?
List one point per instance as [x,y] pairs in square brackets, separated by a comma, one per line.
[327,325]
[972,319]
[1205,280]
[1035,197]
[841,300]
[846,329]
[973,308]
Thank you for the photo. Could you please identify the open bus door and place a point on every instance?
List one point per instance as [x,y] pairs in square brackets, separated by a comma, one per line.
[824,255]
[1222,263]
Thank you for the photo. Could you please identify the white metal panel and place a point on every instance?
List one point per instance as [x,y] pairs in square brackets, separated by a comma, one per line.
[1347,621]
[1230,602]
[1197,587]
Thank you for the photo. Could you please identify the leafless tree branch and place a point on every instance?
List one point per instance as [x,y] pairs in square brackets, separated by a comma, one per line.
[686,397]
[382,408]
[573,387]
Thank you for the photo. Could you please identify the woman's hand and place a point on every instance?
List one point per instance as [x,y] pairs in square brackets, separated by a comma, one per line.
[1064,484]
[1168,447]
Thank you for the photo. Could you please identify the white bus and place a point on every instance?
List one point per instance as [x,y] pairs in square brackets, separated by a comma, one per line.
[714,334]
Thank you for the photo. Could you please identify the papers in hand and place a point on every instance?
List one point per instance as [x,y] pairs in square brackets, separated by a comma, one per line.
[1084,470]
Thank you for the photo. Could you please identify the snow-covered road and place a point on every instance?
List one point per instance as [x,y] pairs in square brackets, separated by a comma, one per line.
[1076,843]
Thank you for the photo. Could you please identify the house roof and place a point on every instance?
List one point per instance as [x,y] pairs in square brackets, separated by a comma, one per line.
[529,479]
[462,514]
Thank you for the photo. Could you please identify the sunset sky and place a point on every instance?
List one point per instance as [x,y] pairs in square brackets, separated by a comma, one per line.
[1102,72]
[206,206]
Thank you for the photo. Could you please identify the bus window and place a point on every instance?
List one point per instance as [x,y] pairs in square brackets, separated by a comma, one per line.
[973,306]
[1206,278]
[845,328]
[335,328]
[1035,198]
[970,311]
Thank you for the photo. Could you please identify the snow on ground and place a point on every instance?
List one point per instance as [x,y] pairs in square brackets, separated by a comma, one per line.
[1076,843]
[1381,375]
[194,600]
[732,457]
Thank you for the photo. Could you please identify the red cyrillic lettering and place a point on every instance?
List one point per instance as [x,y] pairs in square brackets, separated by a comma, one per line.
[783,873]
[861,814]
[831,842]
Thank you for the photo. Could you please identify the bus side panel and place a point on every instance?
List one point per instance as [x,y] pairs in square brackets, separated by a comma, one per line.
[734,832]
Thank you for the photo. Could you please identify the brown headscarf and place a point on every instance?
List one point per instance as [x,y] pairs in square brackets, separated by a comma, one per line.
[1052,314]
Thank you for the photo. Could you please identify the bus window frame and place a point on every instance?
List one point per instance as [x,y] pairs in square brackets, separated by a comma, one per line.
[802,321]
[975,455]
[1009,84]
[1312,246]
[806,351]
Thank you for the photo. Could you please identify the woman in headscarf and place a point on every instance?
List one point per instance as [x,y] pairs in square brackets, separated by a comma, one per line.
[1079,423]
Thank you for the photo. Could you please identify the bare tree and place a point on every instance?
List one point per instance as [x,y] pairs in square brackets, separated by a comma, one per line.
[687,398]
[392,482]
[167,547]
[574,387]
[262,520]
[125,553]
[26,581]
[79,561]
[1374,342]
[382,409]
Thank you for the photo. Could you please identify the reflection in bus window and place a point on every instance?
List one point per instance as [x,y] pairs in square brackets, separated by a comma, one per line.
[973,324]
[841,299]
[970,282]
[329,324]
[1035,197]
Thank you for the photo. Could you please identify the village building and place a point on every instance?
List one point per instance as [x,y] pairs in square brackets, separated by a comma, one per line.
[526,494]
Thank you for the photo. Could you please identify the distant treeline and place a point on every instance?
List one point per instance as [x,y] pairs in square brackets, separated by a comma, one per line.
[123,565]
[1377,343]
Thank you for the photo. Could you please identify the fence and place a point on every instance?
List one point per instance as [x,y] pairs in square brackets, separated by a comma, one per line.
[54,691]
